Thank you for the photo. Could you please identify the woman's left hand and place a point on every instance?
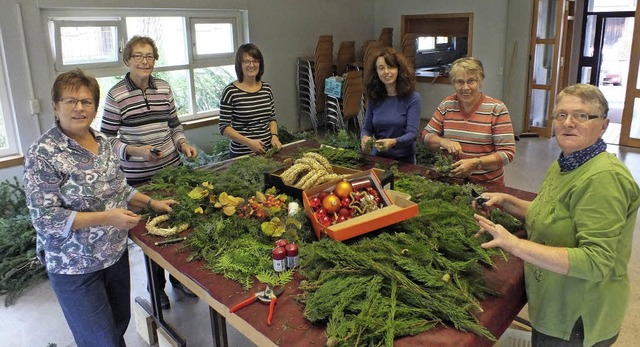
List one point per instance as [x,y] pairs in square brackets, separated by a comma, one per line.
[162,205]
[384,145]
[275,142]
[188,151]
[463,168]
[501,237]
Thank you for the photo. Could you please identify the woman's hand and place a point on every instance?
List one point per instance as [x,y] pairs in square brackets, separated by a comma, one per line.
[122,219]
[363,143]
[188,151]
[501,237]
[463,168]
[149,153]
[256,146]
[161,205]
[384,145]
[275,142]
[453,147]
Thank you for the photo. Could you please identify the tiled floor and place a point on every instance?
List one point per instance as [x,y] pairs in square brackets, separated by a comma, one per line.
[37,321]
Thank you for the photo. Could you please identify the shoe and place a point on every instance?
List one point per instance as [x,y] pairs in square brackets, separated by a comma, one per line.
[181,287]
[164,301]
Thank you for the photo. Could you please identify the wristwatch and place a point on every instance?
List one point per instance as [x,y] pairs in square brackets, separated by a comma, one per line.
[478,164]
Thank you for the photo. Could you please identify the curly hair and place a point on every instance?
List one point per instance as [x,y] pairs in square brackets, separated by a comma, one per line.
[139,40]
[254,52]
[405,82]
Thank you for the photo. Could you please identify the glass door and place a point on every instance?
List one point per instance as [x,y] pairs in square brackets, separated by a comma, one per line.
[630,133]
[544,67]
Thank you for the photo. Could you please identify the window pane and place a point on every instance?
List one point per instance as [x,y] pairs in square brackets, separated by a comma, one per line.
[539,107]
[585,75]
[179,82]
[590,35]
[543,64]
[547,19]
[169,33]
[95,44]
[426,42]
[210,82]
[634,132]
[214,38]
[612,5]
[3,132]
[106,83]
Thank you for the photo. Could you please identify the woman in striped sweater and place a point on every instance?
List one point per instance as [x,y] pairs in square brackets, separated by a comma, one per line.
[247,111]
[472,126]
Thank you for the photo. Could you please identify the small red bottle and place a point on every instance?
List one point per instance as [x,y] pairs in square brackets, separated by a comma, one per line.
[279,256]
[292,256]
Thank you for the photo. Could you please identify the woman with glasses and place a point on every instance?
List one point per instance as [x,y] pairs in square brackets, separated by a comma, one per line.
[247,110]
[579,227]
[393,111]
[474,128]
[141,120]
[79,202]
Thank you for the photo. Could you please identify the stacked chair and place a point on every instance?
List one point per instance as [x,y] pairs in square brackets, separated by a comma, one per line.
[346,55]
[409,48]
[311,73]
[386,37]
[370,51]
[350,105]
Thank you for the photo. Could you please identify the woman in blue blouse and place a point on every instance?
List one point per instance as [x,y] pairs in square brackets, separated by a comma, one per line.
[393,111]
[79,203]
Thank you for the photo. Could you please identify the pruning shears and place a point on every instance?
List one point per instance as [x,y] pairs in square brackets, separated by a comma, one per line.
[267,296]
[480,201]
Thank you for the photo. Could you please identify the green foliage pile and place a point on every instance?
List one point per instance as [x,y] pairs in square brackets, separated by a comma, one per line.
[405,279]
[343,139]
[19,267]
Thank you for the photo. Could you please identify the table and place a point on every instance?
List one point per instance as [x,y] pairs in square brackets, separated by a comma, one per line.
[289,328]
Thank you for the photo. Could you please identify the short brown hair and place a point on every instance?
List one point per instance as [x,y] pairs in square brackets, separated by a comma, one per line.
[139,40]
[470,65]
[254,52]
[73,80]
[587,93]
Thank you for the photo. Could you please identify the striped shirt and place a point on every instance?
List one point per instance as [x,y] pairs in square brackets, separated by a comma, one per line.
[139,118]
[247,113]
[486,130]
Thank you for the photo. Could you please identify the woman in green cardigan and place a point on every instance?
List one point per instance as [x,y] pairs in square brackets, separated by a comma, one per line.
[580,229]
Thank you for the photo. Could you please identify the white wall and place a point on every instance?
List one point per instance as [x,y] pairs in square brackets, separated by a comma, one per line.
[500,28]
[283,29]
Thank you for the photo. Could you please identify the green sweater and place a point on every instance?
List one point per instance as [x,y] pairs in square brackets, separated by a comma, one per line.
[592,212]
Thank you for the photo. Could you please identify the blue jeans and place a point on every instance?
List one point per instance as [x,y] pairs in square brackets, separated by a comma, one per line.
[96,305]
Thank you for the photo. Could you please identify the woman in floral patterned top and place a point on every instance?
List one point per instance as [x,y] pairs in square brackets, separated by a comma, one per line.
[79,203]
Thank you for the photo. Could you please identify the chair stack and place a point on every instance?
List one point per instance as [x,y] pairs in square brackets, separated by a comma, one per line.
[311,73]
[350,105]
[305,86]
[370,53]
[346,55]
[323,67]
[386,37]
[409,48]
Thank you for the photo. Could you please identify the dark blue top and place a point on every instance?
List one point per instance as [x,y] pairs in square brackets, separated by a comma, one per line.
[394,117]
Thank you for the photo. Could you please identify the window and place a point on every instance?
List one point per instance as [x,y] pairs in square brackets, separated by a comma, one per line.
[196,48]
[8,144]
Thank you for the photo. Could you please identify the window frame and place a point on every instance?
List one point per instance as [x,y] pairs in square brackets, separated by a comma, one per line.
[6,109]
[56,18]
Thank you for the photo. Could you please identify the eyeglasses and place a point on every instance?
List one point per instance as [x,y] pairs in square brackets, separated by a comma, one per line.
[72,102]
[577,117]
[250,62]
[470,82]
[138,57]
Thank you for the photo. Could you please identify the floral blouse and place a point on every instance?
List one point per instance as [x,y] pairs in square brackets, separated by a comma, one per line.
[61,179]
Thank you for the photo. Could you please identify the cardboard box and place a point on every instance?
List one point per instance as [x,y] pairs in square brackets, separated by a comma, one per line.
[397,209]
[273,179]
